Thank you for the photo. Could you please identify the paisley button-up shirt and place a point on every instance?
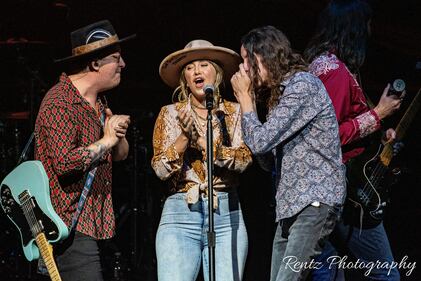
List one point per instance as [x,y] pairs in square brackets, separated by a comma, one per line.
[300,141]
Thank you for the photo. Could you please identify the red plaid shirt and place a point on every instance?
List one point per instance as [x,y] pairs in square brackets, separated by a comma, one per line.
[66,125]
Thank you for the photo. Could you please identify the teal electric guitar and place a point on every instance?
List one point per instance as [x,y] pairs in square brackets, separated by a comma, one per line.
[25,198]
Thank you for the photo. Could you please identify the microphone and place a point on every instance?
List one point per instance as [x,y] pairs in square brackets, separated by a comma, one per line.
[209,89]
[396,88]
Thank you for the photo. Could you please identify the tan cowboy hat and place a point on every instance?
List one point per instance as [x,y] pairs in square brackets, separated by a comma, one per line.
[170,68]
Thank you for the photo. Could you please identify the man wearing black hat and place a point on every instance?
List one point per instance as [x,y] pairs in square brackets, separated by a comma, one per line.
[77,138]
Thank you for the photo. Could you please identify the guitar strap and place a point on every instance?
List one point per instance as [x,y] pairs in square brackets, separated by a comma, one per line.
[86,188]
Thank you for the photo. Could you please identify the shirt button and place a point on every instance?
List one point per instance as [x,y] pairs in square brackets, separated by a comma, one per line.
[107,182]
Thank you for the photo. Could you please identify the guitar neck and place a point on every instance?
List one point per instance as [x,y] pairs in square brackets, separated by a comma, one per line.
[401,129]
[408,116]
[47,255]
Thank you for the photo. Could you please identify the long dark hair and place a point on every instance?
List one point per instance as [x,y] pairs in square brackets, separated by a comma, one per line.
[343,29]
[277,57]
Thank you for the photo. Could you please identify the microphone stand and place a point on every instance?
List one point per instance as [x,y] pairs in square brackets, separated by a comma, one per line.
[134,204]
[209,161]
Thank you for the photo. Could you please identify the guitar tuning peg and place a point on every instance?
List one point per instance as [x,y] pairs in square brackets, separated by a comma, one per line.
[11,202]
[384,204]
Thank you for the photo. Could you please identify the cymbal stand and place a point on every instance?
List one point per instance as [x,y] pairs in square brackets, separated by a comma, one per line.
[35,79]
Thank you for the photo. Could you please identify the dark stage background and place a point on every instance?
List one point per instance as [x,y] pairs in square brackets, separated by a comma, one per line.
[27,71]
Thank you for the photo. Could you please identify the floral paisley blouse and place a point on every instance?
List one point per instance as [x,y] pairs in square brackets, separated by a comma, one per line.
[187,172]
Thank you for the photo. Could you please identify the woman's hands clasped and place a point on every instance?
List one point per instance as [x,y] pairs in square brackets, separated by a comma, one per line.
[188,128]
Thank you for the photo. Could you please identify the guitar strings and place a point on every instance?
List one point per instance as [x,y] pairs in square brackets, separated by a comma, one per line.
[377,175]
[379,171]
[367,189]
[30,217]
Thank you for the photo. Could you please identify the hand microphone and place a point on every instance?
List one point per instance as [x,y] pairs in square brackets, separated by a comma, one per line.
[396,88]
[209,89]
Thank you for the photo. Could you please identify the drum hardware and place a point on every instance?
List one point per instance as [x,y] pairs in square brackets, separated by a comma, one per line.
[17,117]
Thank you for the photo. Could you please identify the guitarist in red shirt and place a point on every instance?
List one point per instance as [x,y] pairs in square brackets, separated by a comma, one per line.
[336,52]
[75,135]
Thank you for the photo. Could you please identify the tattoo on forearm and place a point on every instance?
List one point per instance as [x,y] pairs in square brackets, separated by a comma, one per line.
[97,152]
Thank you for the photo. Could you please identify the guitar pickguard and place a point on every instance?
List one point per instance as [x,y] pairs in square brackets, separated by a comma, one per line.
[14,211]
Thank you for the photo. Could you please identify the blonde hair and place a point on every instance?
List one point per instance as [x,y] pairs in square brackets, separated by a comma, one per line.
[181,93]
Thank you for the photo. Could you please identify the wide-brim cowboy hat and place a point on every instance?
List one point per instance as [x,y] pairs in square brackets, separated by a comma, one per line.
[93,39]
[171,67]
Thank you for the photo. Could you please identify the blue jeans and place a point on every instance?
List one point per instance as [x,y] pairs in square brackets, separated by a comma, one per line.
[327,271]
[181,240]
[300,238]
[371,245]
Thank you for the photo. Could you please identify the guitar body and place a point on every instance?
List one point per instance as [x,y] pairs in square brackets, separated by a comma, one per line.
[368,187]
[31,178]
[370,175]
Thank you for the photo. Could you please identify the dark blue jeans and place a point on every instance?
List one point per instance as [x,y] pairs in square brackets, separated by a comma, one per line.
[300,238]
[78,259]
[327,271]
[371,245]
